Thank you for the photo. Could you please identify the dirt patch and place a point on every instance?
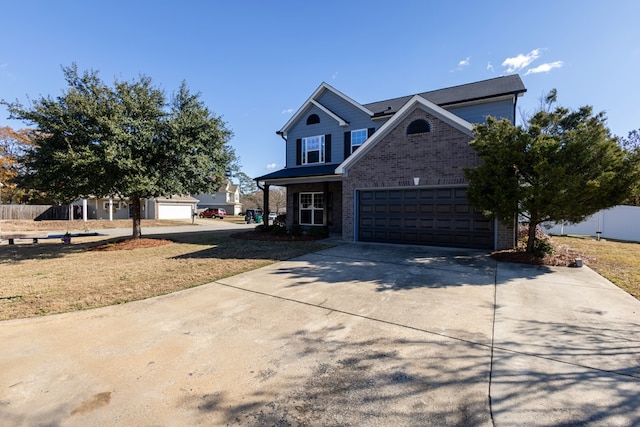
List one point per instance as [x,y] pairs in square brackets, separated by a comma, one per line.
[130,244]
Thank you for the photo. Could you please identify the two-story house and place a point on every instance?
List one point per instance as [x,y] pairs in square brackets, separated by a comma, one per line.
[227,197]
[392,171]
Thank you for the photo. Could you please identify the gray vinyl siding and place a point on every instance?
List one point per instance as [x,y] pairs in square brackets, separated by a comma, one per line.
[356,118]
[478,113]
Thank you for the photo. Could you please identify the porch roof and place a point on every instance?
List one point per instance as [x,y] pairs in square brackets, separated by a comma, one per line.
[300,172]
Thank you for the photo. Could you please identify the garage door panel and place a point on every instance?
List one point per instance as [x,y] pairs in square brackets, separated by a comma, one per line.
[462,209]
[443,209]
[422,216]
[168,211]
[462,224]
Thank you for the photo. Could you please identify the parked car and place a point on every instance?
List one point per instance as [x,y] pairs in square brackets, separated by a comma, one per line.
[213,213]
[272,216]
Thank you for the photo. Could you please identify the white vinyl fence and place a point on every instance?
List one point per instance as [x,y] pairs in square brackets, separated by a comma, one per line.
[619,222]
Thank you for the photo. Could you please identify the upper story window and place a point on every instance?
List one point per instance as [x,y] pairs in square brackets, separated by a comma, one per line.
[313,149]
[418,126]
[313,119]
[357,138]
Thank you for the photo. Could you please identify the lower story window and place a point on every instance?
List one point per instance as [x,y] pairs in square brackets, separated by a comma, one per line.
[311,208]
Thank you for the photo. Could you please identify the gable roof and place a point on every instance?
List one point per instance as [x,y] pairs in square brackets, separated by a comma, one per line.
[414,102]
[312,100]
[469,92]
[476,91]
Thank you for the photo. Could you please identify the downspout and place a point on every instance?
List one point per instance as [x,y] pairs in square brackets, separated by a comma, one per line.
[284,138]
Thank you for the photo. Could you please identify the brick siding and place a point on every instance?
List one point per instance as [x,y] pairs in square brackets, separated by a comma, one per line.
[437,157]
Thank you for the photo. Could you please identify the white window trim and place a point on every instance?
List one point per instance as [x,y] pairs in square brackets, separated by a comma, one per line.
[305,152]
[312,209]
[116,206]
[365,138]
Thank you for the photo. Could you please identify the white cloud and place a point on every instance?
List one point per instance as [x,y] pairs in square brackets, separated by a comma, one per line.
[462,64]
[287,111]
[521,61]
[544,68]
[334,76]
[271,166]
[489,66]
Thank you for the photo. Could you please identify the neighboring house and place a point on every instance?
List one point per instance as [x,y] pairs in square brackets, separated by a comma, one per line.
[173,207]
[227,197]
[392,171]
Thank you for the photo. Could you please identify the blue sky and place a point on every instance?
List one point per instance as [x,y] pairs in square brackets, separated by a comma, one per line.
[256,62]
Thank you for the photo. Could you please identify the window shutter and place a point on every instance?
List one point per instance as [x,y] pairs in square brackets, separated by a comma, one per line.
[298,151]
[327,148]
[370,132]
[296,208]
[347,144]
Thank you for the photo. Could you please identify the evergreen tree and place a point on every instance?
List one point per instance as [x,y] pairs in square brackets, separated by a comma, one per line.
[562,166]
[124,140]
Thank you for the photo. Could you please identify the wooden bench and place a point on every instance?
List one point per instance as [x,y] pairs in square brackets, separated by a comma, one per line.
[35,235]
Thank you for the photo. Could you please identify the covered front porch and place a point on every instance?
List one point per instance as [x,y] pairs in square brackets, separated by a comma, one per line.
[314,197]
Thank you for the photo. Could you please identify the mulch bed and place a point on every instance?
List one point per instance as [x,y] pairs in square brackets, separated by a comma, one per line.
[563,256]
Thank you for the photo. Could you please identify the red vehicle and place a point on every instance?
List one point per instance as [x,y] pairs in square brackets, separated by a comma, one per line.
[213,213]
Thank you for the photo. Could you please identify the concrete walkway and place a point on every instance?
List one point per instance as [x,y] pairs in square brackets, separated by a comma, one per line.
[359,334]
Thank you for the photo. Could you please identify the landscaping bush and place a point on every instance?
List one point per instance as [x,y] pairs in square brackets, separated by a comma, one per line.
[281,220]
[543,248]
[317,232]
[296,230]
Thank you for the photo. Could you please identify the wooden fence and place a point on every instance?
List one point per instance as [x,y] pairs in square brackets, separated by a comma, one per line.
[34,212]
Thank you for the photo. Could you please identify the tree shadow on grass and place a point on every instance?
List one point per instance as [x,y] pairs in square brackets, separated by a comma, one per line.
[221,246]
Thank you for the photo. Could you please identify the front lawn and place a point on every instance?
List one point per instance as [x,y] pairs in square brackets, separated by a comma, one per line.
[50,277]
[617,261]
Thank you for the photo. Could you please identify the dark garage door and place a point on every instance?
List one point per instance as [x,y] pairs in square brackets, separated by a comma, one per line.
[436,216]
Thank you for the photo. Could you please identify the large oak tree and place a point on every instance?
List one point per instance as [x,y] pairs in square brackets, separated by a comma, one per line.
[122,140]
[563,165]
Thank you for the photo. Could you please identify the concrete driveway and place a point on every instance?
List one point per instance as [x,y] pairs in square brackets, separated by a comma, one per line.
[359,334]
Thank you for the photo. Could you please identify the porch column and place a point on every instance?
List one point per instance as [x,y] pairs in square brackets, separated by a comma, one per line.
[265,214]
[110,209]
[84,210]
[325,208]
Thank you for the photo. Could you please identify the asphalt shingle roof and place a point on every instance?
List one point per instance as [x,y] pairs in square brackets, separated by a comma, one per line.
[498,86]
[306,171]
